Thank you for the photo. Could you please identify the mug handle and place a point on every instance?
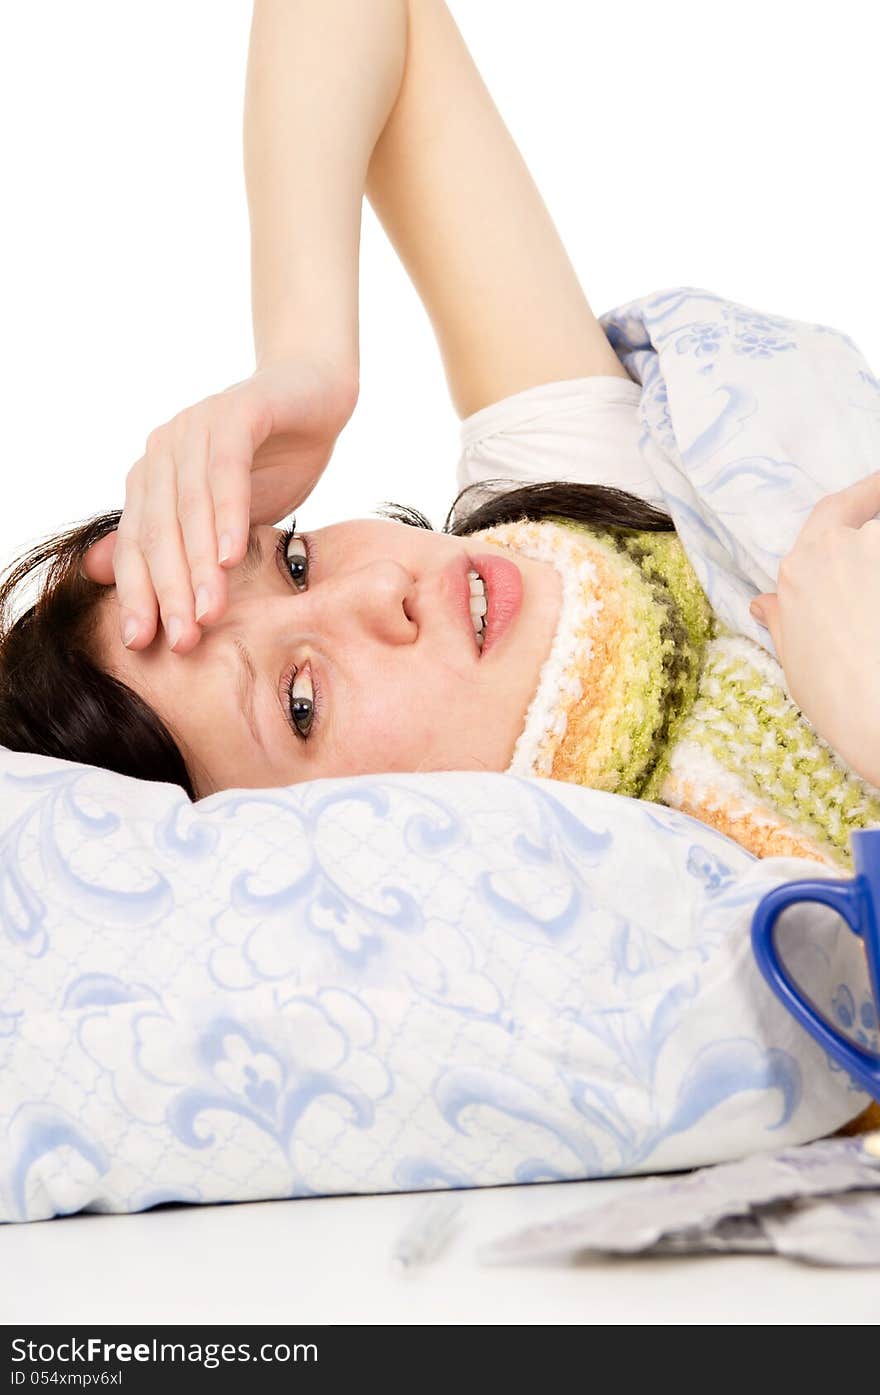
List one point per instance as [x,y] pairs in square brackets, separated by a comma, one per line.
[848,899]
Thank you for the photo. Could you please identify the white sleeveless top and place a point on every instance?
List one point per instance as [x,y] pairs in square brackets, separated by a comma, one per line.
[583,430]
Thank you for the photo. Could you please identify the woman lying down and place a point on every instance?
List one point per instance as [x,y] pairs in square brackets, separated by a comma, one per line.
[551,629]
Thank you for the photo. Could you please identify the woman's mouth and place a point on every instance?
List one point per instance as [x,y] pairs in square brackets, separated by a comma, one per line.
[478,606]
[496,591]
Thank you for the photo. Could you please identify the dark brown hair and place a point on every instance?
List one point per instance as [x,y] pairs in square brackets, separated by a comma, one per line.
[56,700]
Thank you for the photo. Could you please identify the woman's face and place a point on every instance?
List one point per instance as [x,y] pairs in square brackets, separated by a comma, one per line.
[377,629]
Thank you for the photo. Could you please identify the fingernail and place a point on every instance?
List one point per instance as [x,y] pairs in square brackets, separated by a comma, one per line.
[225,546]
[174,630]
[130,630]
[203,601]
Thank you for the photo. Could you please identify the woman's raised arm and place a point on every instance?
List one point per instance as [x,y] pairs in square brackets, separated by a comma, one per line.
[460,207]
[344,94]
[322,77]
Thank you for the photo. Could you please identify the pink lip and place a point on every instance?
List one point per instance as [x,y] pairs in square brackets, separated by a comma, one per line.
[456,582]
[504,593]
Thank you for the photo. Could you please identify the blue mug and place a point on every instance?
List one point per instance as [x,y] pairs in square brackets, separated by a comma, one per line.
[858,900]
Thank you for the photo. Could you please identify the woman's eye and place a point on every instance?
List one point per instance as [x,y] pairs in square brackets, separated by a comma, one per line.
[296,555]
[302,701]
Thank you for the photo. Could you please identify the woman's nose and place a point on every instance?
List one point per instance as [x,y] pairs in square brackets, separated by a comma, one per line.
[374,598]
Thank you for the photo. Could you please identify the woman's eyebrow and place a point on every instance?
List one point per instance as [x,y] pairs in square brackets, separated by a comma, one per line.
[248,569]
[246,685]
[252,563]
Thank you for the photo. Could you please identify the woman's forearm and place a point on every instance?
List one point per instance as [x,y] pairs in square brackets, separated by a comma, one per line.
[458,202]
[323,76]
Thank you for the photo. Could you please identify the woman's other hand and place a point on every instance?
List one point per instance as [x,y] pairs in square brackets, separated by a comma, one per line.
[247,455]
[825,622]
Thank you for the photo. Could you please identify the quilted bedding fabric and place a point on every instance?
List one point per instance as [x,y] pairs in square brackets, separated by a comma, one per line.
[386,984]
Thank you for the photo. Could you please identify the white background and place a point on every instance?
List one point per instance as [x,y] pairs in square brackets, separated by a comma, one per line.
[679,143]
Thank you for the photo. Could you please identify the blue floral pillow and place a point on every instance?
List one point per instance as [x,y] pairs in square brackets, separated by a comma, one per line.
[383,983]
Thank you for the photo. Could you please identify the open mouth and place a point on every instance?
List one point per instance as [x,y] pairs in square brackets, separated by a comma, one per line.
[479,606]
[495,598]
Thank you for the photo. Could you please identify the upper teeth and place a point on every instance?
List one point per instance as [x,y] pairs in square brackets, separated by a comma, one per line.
[479,606]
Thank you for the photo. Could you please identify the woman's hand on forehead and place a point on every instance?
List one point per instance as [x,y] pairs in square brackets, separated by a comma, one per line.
[244,456]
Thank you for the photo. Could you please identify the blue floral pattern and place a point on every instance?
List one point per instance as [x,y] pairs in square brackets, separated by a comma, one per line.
[747,420]
[382,983]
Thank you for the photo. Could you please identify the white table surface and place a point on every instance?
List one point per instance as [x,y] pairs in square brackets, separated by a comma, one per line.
[327,1260]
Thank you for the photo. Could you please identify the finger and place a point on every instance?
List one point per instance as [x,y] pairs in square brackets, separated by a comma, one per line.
[214,500]
[97,563]
[143,559]
[849,507]
[138,609]
[211,465]
[134,592]
[161,542]
[230,480]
